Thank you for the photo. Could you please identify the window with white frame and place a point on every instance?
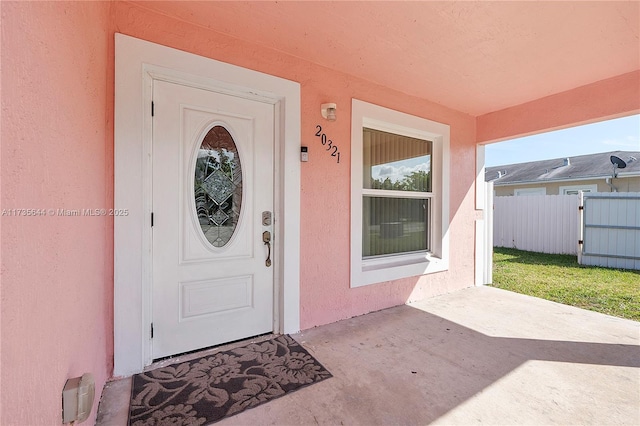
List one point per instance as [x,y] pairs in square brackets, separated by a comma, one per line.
[574,189]
[530,191]
[399,189]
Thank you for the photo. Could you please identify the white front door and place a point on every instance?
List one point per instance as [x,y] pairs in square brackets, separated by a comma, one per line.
[213,183]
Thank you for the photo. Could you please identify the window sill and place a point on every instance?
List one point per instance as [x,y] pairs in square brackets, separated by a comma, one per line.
[390,268]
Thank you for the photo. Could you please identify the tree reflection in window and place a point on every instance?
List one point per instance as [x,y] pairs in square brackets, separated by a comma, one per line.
[218,186]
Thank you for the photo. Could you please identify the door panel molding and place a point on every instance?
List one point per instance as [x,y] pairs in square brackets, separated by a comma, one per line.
[178,127]
[138,63]
[192,293]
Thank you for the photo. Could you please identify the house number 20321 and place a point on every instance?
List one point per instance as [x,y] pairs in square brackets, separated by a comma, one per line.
[332,148]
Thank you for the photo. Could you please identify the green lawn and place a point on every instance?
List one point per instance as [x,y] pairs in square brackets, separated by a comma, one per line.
[560,278]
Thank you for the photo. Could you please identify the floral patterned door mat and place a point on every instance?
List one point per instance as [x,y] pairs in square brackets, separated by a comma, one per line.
[207,389]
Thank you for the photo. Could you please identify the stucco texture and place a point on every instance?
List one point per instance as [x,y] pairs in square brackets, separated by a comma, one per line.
[605,99]
[56,154]
[325,293]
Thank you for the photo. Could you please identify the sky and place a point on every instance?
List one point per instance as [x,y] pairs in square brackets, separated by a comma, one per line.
[621,134]
[398,170]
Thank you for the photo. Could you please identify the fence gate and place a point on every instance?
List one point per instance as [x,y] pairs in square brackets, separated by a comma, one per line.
[610,229]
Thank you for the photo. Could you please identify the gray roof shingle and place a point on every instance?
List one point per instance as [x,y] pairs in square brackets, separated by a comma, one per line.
[578,167]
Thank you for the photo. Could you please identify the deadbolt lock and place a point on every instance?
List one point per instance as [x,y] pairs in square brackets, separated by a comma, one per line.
[266,218]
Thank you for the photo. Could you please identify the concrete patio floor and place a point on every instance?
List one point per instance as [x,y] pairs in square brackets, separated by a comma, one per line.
[477,356]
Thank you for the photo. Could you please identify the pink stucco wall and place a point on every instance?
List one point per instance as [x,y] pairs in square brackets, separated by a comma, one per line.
[56,154]
[325,198]
[605,99]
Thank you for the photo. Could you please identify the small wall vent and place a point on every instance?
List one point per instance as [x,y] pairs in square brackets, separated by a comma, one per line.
[77,398]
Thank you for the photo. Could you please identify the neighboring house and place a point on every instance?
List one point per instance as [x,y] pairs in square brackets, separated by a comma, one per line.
[587,173]
[89,87]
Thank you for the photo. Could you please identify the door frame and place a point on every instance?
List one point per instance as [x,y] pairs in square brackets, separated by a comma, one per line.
[137,64]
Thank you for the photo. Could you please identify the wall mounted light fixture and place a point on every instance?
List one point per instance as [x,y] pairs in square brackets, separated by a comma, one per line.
[328,111]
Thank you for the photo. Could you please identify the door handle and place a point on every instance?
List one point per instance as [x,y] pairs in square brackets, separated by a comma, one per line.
[266,238]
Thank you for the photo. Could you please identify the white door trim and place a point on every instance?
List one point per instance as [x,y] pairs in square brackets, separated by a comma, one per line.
[138,63]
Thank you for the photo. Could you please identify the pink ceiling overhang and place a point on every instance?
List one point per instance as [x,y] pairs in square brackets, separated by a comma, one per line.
[605,99]
[474,57]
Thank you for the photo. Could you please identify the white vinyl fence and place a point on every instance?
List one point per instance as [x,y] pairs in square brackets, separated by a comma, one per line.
[539,223]
[610,230]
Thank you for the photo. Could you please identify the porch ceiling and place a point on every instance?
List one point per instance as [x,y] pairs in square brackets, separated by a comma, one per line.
[475,57]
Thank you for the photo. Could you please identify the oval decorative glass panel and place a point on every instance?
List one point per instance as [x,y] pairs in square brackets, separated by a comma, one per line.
[218,186]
